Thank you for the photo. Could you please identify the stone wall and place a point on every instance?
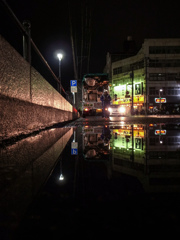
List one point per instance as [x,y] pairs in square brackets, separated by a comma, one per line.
[27,101]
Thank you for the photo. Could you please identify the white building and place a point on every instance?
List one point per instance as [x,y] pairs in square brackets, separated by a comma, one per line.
[149,80]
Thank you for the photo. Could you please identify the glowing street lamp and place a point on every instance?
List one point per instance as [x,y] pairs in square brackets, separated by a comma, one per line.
[60,56]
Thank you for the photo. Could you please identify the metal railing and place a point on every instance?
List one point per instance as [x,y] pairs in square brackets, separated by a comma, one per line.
[18,32]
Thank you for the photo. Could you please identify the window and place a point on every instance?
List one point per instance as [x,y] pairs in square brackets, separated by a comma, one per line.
[157,76]
[117,70]
[137,65]
[159,63]
[164,49]
[173,140]
[173,91]
[152,91]
[162,76]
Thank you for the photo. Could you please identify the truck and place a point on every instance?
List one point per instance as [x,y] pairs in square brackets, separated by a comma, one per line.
[93,85]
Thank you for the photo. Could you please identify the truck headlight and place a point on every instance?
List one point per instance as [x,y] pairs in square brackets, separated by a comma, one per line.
[110,109]
[122,109]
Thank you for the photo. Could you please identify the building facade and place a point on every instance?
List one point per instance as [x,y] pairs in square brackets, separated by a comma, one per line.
[148,82]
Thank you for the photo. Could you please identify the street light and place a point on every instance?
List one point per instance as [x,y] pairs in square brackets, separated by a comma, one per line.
[60,56]
[160,90]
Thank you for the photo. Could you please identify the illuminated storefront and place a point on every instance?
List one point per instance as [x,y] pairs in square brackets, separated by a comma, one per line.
[148,82]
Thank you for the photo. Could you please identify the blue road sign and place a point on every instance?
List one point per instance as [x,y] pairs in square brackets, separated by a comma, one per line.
[73,83]
[74,151]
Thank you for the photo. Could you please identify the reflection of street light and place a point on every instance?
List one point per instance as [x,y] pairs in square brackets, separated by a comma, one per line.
[160,90]
[61,177]
[160,140]
[60,56]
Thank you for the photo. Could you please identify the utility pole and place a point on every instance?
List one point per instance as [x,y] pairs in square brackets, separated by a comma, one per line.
[27,41]
[80,31]
[72,43]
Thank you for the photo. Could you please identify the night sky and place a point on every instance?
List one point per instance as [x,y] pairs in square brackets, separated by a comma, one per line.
[112,21]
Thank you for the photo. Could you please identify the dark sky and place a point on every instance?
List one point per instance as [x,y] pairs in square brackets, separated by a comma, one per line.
[112,22]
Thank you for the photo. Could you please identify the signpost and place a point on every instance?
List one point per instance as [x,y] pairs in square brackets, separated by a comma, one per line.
[74,148]
[73,84]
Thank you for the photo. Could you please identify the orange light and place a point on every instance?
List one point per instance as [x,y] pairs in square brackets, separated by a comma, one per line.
[160,132]
[163,132]
[158,100]
[157,132]
[86,109]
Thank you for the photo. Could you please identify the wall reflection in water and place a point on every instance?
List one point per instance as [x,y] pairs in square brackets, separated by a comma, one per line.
[149,152]
[25,166]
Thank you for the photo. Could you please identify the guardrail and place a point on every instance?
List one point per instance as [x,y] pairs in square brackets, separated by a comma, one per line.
[15,38]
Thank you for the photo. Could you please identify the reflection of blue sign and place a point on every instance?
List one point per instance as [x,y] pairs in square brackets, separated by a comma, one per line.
[74,151]
[73,83]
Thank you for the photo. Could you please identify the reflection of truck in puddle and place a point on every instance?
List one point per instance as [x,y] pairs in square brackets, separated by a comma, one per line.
[93,86]
[96,142]
[124,141]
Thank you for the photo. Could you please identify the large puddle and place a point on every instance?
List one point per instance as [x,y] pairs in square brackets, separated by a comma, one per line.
[107,178]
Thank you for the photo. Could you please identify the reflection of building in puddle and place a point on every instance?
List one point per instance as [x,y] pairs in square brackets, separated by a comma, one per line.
[150,153]
[96,142]
[128,142]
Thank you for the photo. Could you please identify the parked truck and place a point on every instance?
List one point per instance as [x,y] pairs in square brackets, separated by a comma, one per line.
[93,85]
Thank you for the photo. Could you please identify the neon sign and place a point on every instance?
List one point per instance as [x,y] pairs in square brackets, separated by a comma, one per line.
[160,100]
[160,132]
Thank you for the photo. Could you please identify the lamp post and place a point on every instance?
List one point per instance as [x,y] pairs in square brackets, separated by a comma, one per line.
[160,90]
[60,56]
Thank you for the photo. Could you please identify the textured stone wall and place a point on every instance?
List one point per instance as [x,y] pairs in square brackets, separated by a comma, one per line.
[27,101]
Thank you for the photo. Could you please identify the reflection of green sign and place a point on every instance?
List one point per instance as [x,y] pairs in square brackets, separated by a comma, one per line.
[160,132]
[160,100]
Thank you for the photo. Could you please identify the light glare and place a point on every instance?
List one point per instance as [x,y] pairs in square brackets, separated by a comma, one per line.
[61,177]
[122,109]
[60,56]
